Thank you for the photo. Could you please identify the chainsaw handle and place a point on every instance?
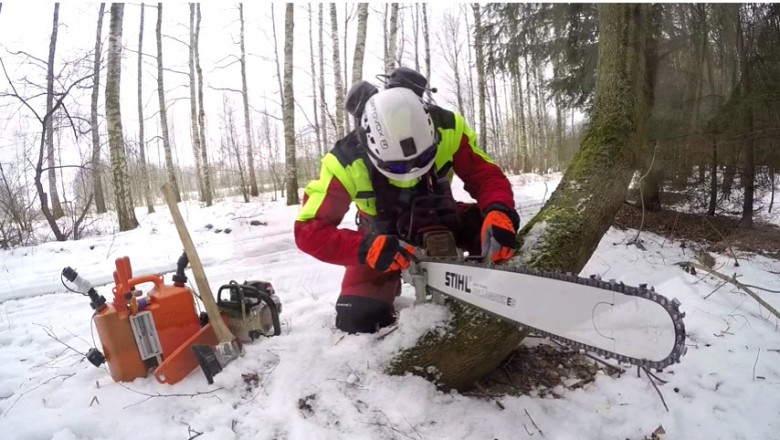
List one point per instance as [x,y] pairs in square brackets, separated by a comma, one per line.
[266,298]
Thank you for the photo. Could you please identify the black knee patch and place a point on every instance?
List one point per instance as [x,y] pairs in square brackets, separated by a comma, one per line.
[357,314]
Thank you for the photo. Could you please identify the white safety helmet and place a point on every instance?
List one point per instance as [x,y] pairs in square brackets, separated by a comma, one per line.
[398,133]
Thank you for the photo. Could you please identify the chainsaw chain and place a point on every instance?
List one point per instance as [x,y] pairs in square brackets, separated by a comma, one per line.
[671,306]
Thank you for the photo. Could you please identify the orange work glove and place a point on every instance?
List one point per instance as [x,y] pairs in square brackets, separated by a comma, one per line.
[385,253]
[498,237]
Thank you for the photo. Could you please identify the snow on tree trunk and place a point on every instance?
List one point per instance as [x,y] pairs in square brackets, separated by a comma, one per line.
[97,175]
[289,109]
[141,135]
[56,207]
[163,110]
[124,206]
[564,234]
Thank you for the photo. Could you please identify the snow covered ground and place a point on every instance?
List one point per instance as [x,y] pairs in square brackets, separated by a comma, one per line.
[314,383]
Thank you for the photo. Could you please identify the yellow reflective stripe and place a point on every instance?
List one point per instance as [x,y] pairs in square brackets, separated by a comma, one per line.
[316,191]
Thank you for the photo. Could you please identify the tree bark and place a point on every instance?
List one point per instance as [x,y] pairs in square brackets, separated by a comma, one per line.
[194,126]
[713,179]
[360,43]
[289,108]
[748,174]
[339,92]
[163,110]
[97,175]
[204,158]
[317,133]
[323,103]
[141,134]
[250,151]
[427,41]
[56,207]
[564,234]
[123,199]
[391,38]
[481,86]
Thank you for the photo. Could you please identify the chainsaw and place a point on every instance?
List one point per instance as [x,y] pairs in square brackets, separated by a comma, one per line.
[633,325]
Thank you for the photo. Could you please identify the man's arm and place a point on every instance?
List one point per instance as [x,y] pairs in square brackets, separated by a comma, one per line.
[325,203]
[482,178]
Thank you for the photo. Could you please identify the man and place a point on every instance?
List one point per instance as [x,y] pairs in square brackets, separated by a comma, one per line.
[403,151]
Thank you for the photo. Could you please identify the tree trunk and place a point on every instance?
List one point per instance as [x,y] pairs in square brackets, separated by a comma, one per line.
[748,175]
[323,103]
[141,135]
[416,26]
[97,175]
[713,179]
[772,187]
[391,38]
[320,151]
[561,237]
[163,109]
[125,210]
[194,127]
[250,150]
[56,206]
[360,43]
[289,108]
[339,92]
[426,40]
[345,43]
[481,86]
[204,158]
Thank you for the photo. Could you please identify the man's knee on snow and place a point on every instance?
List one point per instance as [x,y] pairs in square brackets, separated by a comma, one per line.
[357,314]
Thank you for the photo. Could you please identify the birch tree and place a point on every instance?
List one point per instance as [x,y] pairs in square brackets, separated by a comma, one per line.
[204,158]
[141,134]
[163,110]
[334,34]
[480,55]
[320,149]
[563,235]
[97,175]
[56,206]
[323,103]
[289,108]
[391,42]
[250,151]
[427,44]
[122,198]
[194,125]
[360,43]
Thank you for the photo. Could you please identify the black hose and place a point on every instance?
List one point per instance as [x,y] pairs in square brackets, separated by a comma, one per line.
[180,279]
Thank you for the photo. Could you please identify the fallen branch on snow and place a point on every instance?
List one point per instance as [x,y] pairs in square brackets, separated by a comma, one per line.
[732,280]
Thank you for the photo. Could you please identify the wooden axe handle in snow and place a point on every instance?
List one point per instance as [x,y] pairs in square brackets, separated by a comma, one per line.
[221,330]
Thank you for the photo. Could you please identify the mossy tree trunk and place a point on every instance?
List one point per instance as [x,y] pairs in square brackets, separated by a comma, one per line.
[564,234]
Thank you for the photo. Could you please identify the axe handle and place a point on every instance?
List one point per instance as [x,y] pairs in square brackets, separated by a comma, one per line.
[220,329]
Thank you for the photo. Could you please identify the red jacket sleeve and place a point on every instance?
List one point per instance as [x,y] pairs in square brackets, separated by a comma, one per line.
[319,235]
[482,179]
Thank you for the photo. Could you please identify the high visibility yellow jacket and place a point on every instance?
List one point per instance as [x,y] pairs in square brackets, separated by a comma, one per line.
[347,176]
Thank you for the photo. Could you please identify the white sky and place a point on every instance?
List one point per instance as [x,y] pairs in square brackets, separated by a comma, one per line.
[26,25]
